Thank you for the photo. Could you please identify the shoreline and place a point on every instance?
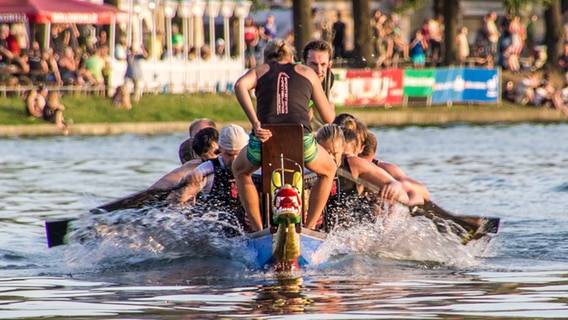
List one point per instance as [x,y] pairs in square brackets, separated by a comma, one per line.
[372,119]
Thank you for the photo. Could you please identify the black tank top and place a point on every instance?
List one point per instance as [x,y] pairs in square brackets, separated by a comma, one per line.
[283,96]
[346,187]
[223,195]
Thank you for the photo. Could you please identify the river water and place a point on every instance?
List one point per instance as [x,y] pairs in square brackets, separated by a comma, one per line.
[160,266]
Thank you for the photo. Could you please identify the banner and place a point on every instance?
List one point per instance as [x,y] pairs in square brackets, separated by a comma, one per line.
[481,85]
[449,85]
[374,87]
[387,87]
[466,85]
[418,82]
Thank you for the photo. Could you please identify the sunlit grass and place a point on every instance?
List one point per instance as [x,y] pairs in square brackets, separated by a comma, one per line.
[181,107]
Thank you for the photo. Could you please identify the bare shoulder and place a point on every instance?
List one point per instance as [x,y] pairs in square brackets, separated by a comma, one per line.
[306,72]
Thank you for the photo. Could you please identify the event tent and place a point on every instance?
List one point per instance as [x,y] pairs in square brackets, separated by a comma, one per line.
[59,11]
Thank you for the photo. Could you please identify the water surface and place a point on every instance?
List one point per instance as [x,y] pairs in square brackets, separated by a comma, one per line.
[157,265]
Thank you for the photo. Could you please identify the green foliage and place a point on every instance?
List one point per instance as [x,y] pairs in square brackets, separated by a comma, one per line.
[519,6]
[401,6]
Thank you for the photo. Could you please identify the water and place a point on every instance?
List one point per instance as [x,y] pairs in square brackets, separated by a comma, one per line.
[159,266]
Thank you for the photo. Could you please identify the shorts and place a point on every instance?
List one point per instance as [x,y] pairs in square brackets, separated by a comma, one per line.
[419,59]
[310,149]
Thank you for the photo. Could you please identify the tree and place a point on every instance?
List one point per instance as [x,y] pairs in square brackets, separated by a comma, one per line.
[554,33]
[450,14]
[363,52]
[302,13]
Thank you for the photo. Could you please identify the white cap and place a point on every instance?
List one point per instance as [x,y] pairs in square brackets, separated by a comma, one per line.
[233,137]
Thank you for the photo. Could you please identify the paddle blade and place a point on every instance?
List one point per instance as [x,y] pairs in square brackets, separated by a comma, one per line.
[475,226]
[486,224]
[55,232]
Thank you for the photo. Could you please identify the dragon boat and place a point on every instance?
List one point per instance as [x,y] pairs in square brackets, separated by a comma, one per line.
[283,186]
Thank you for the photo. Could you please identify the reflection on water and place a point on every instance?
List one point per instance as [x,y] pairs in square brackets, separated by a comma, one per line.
[160,265]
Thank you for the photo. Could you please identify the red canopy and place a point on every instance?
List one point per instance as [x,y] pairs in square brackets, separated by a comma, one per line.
[59,11]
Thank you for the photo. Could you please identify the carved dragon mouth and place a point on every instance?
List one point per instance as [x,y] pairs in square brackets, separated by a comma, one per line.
[286,205]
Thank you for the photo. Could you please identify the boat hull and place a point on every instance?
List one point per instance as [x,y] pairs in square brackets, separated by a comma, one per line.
[261,243]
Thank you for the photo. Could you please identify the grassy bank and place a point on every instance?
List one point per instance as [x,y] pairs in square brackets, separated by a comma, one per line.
[184,107]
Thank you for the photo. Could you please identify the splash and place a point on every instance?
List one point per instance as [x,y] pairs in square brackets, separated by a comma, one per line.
[132,237]
[396,235]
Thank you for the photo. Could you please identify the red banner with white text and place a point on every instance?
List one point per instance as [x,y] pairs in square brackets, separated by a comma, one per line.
[374,87]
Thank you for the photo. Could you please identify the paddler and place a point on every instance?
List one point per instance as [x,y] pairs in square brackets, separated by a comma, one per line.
[212,183]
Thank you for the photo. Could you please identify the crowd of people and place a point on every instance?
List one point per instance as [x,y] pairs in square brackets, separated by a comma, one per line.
[63,63]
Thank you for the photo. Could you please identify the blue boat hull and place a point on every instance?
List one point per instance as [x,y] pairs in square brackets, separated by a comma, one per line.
[261,243]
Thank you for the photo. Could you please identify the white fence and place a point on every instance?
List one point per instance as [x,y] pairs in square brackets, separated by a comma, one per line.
[179,76]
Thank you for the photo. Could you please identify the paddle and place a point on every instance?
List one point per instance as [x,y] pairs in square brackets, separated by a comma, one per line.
[56,230]
[475,226]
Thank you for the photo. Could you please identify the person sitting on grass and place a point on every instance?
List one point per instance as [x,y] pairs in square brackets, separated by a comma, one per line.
[53,111]
[35,101]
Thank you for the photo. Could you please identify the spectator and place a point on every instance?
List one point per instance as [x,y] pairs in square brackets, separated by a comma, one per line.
[517,37]
[269,30]
[417,50]
[35,101]
[436,33]
[121,98]
[544,93]
[463,46]
[5,54]
[19,30]
[95,65]
[399,47]
[509,93]
[492,34]
[252,36]
[38,66]
[53,111]
[205,53]
[59,39]
[102,40]
[220,48]
[338,32]
[121,49]
[50,64]
[68,68]
[134,70]
[526,89]
[177,41]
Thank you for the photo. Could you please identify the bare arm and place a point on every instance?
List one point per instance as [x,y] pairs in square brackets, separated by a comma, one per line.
[391,189]
[174,177]
[243,85]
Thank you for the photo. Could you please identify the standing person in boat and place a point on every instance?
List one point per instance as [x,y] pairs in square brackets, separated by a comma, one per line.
[283,90]
[416,191]
[348,193]
[212,183]
[317,55]
[205,145]
[185,151]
